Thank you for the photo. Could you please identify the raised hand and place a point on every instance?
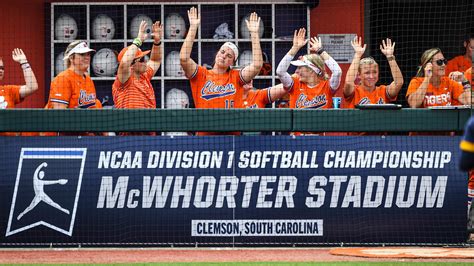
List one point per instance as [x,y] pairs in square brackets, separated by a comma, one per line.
[357,45]
[315,44]
[19,56]
[387,47]
[194,17]
[457,76]
[253,24]
[142,31]
[299,38]
[157,31]
[428,70]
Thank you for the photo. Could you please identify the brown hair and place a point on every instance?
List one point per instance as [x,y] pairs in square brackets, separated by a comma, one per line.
[425,59]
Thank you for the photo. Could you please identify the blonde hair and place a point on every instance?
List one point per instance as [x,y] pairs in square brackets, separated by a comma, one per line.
[318,61]
[425,59]
[367,61]
[68,49]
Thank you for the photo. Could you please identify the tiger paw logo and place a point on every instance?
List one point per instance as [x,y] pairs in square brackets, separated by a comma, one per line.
[211,91]
[46,190]
[315,103]
[3,103]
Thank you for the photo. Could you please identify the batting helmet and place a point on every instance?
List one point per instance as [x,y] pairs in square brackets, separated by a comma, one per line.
[103,28]
[176,99]
[244,31]
[65,28]
[175,27]
[59,64]
[173,66]
[135,25]
[104,63]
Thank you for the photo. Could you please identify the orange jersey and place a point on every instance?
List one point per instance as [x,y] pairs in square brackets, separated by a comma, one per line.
[212,90]
[459,63]
[135,93]
[443,95]
[73,90]
[302,96]
[9,96]
[362,96]
[468,74]
[257,98]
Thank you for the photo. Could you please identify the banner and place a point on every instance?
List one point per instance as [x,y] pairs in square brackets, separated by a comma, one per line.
[247,190]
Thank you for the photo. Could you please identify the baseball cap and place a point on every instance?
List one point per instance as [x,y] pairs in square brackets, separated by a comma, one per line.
[305,62]
[233,47]
[80,48]
[138,54]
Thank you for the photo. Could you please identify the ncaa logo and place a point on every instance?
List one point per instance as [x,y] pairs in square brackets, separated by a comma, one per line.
[47,188]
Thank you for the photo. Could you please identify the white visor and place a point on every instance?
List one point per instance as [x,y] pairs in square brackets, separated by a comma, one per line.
[307,63]
[81,48]
[233,47]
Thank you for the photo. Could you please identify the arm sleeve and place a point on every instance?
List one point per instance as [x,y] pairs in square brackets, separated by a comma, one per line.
[336,75]
[282,71]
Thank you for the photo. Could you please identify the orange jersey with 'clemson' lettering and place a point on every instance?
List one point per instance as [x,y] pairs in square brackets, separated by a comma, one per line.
[212,90]
[257,98]
[73,90]
[362,96]
[302,96]
[443,95]
[135,93]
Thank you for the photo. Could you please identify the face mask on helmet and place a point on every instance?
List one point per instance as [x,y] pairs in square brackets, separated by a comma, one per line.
[59,64]
[65,28]
[103,28]
[176,99]
[135,25]
[175,27]
[244,31]
[173,66]
[104,63]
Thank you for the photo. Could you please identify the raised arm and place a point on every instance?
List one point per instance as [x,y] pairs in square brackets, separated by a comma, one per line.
[252,70]
[359,50]
[124,71]
[31,85]
[387,48]
[187,63]
[336,71]
[155,55]
[416,99]
[299,40]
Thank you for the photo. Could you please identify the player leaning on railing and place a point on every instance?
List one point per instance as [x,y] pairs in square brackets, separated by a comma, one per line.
[10,95]
[367,70]
[221,86]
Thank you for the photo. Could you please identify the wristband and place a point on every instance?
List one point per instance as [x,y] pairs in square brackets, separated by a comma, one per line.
[320,51]
[25,66]
[157,44]
[390,58]
[137,42]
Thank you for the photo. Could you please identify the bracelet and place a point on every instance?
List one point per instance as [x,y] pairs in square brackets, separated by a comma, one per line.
[157,44]
[137,42]
[24,63]
[320,51]
[390,58]
[25,66]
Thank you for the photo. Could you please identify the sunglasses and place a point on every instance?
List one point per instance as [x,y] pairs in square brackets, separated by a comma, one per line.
[141,60]
[441,62]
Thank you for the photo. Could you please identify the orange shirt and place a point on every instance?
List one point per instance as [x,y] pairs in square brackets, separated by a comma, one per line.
[443,95]
[9,96]
[212,90]
[468,74]
[135,93]
[302,96]
[458,63]
[73,90]
[362,96]
[257,98]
